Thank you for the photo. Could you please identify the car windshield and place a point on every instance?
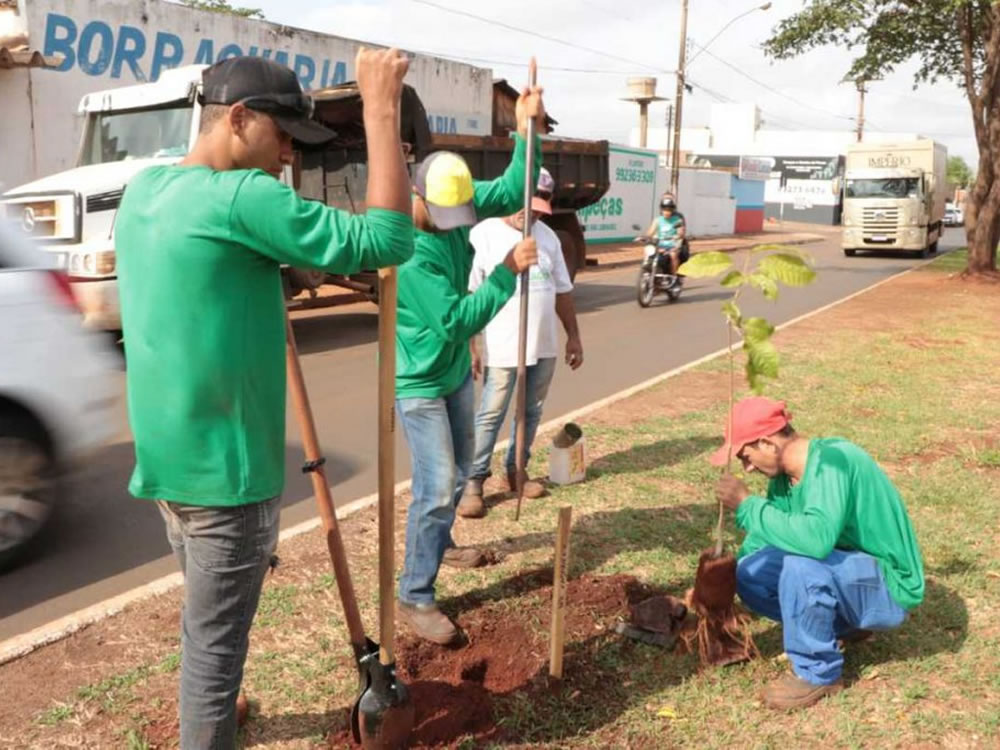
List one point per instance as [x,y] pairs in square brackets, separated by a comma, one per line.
[137,134]
[898,187]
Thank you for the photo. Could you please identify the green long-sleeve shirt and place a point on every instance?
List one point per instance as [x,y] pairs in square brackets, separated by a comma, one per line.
[199,255]
[844,501]
[437,315]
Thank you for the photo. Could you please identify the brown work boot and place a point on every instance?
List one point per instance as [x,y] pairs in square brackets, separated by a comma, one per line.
[428,622]
[790,692]
[463,557]
[471,505]
[532,489]
[242,709]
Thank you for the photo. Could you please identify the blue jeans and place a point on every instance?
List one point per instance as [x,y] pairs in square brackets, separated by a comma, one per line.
[817,601]
[224,554]
[441,439]
[498,388]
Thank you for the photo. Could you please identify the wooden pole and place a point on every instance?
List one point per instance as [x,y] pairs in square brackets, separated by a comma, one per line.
[386,461]
[559,574]
[522,341]
[675,160]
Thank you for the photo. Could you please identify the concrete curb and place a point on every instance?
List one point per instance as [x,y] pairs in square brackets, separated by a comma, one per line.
[22,645]
[634,261]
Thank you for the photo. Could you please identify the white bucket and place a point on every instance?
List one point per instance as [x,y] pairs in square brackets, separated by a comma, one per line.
[568,456]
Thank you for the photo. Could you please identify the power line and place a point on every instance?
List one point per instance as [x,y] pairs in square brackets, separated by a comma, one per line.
[536,34]
[768,87]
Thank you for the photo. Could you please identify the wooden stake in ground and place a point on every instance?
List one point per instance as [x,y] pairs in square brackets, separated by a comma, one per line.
[522,340]
[559,574]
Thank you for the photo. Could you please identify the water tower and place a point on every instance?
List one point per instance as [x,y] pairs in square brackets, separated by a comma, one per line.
[642,91]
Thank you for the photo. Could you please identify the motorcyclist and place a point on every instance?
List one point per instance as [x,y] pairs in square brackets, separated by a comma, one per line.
[669,231]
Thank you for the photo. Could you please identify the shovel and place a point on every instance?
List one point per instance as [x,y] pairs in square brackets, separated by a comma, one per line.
[365,650]
[522,340]
[386,712]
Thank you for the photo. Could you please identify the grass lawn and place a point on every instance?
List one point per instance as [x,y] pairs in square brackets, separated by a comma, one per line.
[911,371]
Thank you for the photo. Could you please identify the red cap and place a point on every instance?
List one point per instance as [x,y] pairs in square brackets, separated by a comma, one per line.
[753,418]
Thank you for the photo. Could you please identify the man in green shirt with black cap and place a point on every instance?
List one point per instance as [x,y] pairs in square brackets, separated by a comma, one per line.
[435,396]
[200,246]
[830,552]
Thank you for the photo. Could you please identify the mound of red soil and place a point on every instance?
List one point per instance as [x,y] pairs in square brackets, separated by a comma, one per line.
[505,651]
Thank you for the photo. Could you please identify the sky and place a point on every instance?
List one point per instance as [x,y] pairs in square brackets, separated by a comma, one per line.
[606,41]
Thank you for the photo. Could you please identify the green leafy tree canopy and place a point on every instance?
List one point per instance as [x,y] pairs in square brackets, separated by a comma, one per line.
[959,173]
[222,6]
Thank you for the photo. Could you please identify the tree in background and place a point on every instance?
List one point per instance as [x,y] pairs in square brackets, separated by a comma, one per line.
[222,6]
[959,173]
[956,40]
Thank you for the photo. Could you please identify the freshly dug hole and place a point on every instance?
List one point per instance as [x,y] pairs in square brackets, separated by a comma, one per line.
[458,692]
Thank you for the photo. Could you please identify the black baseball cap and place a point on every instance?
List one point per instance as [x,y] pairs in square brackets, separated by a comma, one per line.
[264,86]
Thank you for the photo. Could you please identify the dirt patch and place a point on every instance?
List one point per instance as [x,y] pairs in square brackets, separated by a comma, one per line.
[504,655]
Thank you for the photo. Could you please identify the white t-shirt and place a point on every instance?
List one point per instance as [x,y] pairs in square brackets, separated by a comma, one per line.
[492,240]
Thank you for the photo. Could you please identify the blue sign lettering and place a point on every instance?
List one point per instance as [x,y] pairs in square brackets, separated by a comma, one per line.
[168,52]
[230,50]
[60,33]
[206,53]
[95,62]
[129,50]
[98,49]
[442,124]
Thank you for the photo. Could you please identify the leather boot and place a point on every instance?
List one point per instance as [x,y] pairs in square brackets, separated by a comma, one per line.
[532,489]
[471,504]
[790,692]
[428,622]
[463,557]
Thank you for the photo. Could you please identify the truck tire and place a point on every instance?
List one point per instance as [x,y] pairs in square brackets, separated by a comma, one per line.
[305,279]
[933,248]
[574,247]
[29,483]
[850,252]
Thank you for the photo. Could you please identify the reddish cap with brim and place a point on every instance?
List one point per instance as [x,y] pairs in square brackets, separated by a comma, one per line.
[754,418]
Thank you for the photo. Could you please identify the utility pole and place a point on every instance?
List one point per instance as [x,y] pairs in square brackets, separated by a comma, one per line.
[675,158]
[668,149]
[861,108]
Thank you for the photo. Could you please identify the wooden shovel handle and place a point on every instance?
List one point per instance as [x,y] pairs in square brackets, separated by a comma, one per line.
[315,469]
[386,461]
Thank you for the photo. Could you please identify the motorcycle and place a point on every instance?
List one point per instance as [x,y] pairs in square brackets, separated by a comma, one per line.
[654,274]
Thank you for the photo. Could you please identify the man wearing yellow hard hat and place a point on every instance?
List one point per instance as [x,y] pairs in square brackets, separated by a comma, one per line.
[437,316]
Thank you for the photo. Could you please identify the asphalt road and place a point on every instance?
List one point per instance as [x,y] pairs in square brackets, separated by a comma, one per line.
[103,542]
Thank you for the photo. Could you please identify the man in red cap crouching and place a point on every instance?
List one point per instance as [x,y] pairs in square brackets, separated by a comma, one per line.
[830,551]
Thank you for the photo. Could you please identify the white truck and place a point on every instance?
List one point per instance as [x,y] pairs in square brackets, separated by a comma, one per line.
[894,197]
[126,130]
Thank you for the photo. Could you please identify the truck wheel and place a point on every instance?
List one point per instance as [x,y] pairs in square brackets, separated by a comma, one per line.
[922,252]
[302,279]
[850,252]
[29,484]
[933,248]
[568,243]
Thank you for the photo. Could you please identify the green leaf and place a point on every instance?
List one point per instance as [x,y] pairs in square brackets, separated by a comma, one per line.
[762,361]
[788,269]
[767,285]
[732,313]
[733,279]
[703,265]
[757,330]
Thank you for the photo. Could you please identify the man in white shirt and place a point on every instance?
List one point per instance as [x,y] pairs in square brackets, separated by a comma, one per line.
[550,295]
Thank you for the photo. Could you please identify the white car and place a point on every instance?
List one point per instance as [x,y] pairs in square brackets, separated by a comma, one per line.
[57,390]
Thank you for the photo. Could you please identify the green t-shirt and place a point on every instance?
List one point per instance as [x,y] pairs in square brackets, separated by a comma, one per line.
[844,501]
[199,254]
[437,315]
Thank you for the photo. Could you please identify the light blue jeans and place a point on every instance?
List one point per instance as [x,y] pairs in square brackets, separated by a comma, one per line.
[816,602]
[224,553]
[441,439]
[498,389]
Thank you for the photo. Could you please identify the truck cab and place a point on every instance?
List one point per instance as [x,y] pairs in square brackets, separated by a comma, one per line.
[894,197]
[71,213]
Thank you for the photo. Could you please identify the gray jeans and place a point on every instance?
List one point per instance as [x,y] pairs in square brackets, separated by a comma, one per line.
[224,555]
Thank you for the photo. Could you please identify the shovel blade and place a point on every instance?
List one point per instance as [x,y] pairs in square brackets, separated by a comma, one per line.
[385,711]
